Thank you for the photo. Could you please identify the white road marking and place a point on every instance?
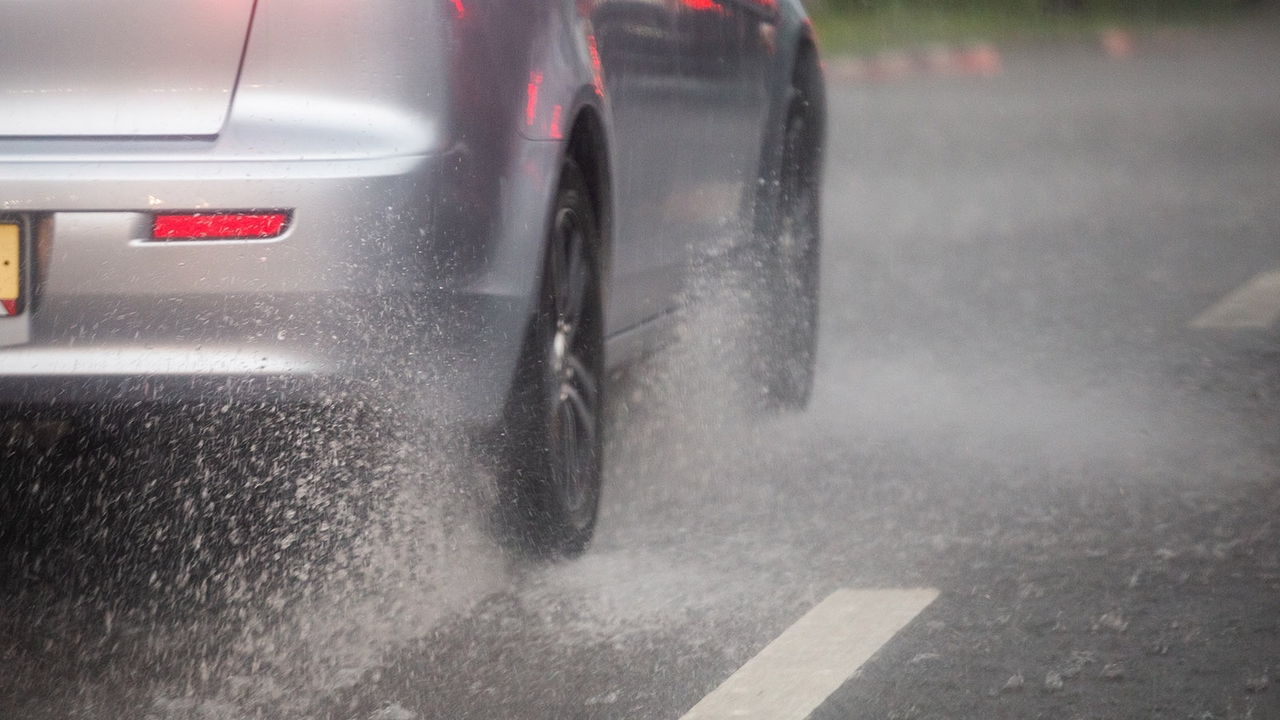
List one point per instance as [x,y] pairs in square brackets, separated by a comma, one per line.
[1254,305]
[810,660]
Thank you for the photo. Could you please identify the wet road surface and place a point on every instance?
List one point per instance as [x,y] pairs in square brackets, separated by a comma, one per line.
[1020,405]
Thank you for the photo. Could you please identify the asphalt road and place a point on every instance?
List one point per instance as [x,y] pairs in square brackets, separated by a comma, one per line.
[1013,408]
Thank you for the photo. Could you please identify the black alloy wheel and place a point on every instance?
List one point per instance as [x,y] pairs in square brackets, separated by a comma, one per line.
[555,431]
[791,248]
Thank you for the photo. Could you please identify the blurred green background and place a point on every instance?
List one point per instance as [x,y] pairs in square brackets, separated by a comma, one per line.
[869,25]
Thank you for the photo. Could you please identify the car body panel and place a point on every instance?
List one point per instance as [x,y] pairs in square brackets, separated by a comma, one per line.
[119,67]
[636,43]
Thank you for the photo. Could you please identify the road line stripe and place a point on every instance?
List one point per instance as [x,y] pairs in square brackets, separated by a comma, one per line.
[1256,304]
[810,660]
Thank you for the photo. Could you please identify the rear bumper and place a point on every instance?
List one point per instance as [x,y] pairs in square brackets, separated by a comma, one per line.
[380,285]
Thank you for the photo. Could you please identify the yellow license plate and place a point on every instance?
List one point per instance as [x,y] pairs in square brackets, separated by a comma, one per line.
[10,268]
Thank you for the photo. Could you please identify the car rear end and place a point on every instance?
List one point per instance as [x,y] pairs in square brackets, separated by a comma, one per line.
[216,200]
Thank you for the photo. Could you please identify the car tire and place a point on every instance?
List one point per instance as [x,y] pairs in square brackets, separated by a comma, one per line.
[554,420]
[790,256]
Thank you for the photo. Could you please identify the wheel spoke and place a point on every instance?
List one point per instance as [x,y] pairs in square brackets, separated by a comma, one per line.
[583,377]
[570,273]
[560,261]
[575,284]
[583,409]
[577,425]
[583,417]
[568,465]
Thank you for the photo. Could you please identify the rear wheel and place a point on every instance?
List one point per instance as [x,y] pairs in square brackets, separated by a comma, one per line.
[790,250]
[554,420]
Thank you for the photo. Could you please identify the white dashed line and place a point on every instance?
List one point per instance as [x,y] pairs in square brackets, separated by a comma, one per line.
[810,660]
[1254,305]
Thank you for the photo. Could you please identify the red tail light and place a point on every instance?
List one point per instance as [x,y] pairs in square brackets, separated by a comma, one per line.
[219,226]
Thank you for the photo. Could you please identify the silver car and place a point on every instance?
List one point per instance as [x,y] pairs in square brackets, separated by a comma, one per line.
[485,204]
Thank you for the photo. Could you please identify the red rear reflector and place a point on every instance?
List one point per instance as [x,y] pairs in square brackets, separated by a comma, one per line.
[219,226]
